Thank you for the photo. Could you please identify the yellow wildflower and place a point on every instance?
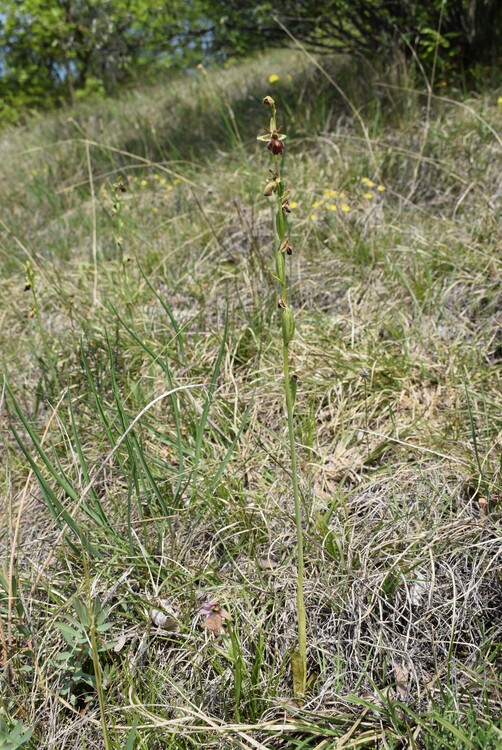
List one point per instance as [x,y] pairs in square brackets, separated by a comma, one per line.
[369,196]
[346,208]
[330,193]
[273,78]
[367,182]
[315,204]
[332,207]
[499,101]
[381,188]
[143,183]
[293,204]
[313,217]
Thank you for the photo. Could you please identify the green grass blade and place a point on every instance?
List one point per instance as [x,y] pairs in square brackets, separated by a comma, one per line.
[57,509]
[100,515]
[207,404]
[230,450]
[158,359]
[169,312]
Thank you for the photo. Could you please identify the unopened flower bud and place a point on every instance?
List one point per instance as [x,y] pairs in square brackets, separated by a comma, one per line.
[270,188]
[286,207]
[280,223]
[288,325]
[286,247]
[268,101]
[280,267]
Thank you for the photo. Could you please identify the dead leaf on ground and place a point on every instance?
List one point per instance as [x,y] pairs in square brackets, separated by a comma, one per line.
[267,563]
[402,674]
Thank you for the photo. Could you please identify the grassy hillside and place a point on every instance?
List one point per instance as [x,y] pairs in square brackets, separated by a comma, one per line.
[136,258]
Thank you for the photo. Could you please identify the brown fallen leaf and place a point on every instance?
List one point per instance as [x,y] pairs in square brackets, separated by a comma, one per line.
[402,674]
[267,562]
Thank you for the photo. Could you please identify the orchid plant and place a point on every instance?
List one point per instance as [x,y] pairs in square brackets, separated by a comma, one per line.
[274,138]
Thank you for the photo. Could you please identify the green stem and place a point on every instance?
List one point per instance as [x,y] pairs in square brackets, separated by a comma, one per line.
[97,677]
[302,620]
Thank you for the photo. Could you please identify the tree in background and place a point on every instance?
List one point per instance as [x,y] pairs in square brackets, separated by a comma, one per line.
[52,50]
[468,32]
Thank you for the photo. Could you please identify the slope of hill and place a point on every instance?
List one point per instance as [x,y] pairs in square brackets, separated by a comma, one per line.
[136,258]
